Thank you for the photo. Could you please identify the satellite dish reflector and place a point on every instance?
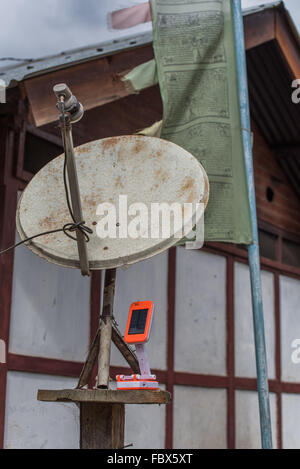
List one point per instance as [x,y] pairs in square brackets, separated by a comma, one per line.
[146,170]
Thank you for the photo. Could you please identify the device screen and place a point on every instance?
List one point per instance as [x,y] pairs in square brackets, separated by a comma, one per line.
[138,321]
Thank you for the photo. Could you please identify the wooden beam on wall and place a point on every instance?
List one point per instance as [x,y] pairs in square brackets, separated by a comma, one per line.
[274,24]
[288,41]
[94,83]
[259,28]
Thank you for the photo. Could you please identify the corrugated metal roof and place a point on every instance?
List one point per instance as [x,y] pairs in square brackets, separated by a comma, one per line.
[263,7]
[15,73]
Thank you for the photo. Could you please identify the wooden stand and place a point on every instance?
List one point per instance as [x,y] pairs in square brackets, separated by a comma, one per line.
[101,345]
[102,412]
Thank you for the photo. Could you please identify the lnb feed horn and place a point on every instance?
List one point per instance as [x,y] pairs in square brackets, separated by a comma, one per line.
[71,103]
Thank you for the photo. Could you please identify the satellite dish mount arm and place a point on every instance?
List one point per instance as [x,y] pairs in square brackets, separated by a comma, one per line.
[71,111]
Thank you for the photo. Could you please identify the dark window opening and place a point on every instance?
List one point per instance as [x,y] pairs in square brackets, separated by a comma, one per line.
[38,152]
[267,244]
[290,253]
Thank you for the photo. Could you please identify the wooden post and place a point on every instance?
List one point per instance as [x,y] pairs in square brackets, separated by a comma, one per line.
[106,329]
[102,426]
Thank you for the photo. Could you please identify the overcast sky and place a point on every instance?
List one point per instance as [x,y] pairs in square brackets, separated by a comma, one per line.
[35,28]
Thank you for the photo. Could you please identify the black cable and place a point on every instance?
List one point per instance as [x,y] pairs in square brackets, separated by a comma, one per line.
[68,227]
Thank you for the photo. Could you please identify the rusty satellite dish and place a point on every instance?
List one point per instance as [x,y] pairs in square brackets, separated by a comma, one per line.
[145,169]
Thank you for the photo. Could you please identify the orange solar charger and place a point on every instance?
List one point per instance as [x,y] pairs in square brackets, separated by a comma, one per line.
[138,332]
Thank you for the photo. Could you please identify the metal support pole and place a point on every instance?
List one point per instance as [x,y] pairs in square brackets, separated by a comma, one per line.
[71,112]
[106,329]
[75,197]
[254,260]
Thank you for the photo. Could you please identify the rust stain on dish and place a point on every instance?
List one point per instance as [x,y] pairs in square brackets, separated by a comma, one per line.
[192,196]
[47,224]
[55,220]
[164,176]
[157,154]
[81,149]
[188,185]
[119,182]
[161,175]
[139,146]
[47,221]
[90,201]
[108,143]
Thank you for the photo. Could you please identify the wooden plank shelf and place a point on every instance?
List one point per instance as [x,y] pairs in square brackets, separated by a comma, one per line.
[102,412]
[101,396]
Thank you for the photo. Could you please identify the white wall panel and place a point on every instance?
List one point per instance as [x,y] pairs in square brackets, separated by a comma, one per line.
[30,424]
[244,337]
[247,420]
[199,418]
[290,421]
[200,313]
[50,309]
[146,280]
[290,326]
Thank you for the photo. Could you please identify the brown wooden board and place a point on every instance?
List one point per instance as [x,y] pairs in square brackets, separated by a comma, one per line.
[105,396]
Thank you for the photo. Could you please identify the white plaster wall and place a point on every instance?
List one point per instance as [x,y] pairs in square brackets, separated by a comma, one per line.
[199,418]
[30,424]
[50,309]
[290,421]
[290,326]
[247,420]
[146,280]
[245,365]
[200,313]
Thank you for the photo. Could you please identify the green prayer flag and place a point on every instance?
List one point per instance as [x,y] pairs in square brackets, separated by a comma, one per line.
[141,77]
[194,47]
